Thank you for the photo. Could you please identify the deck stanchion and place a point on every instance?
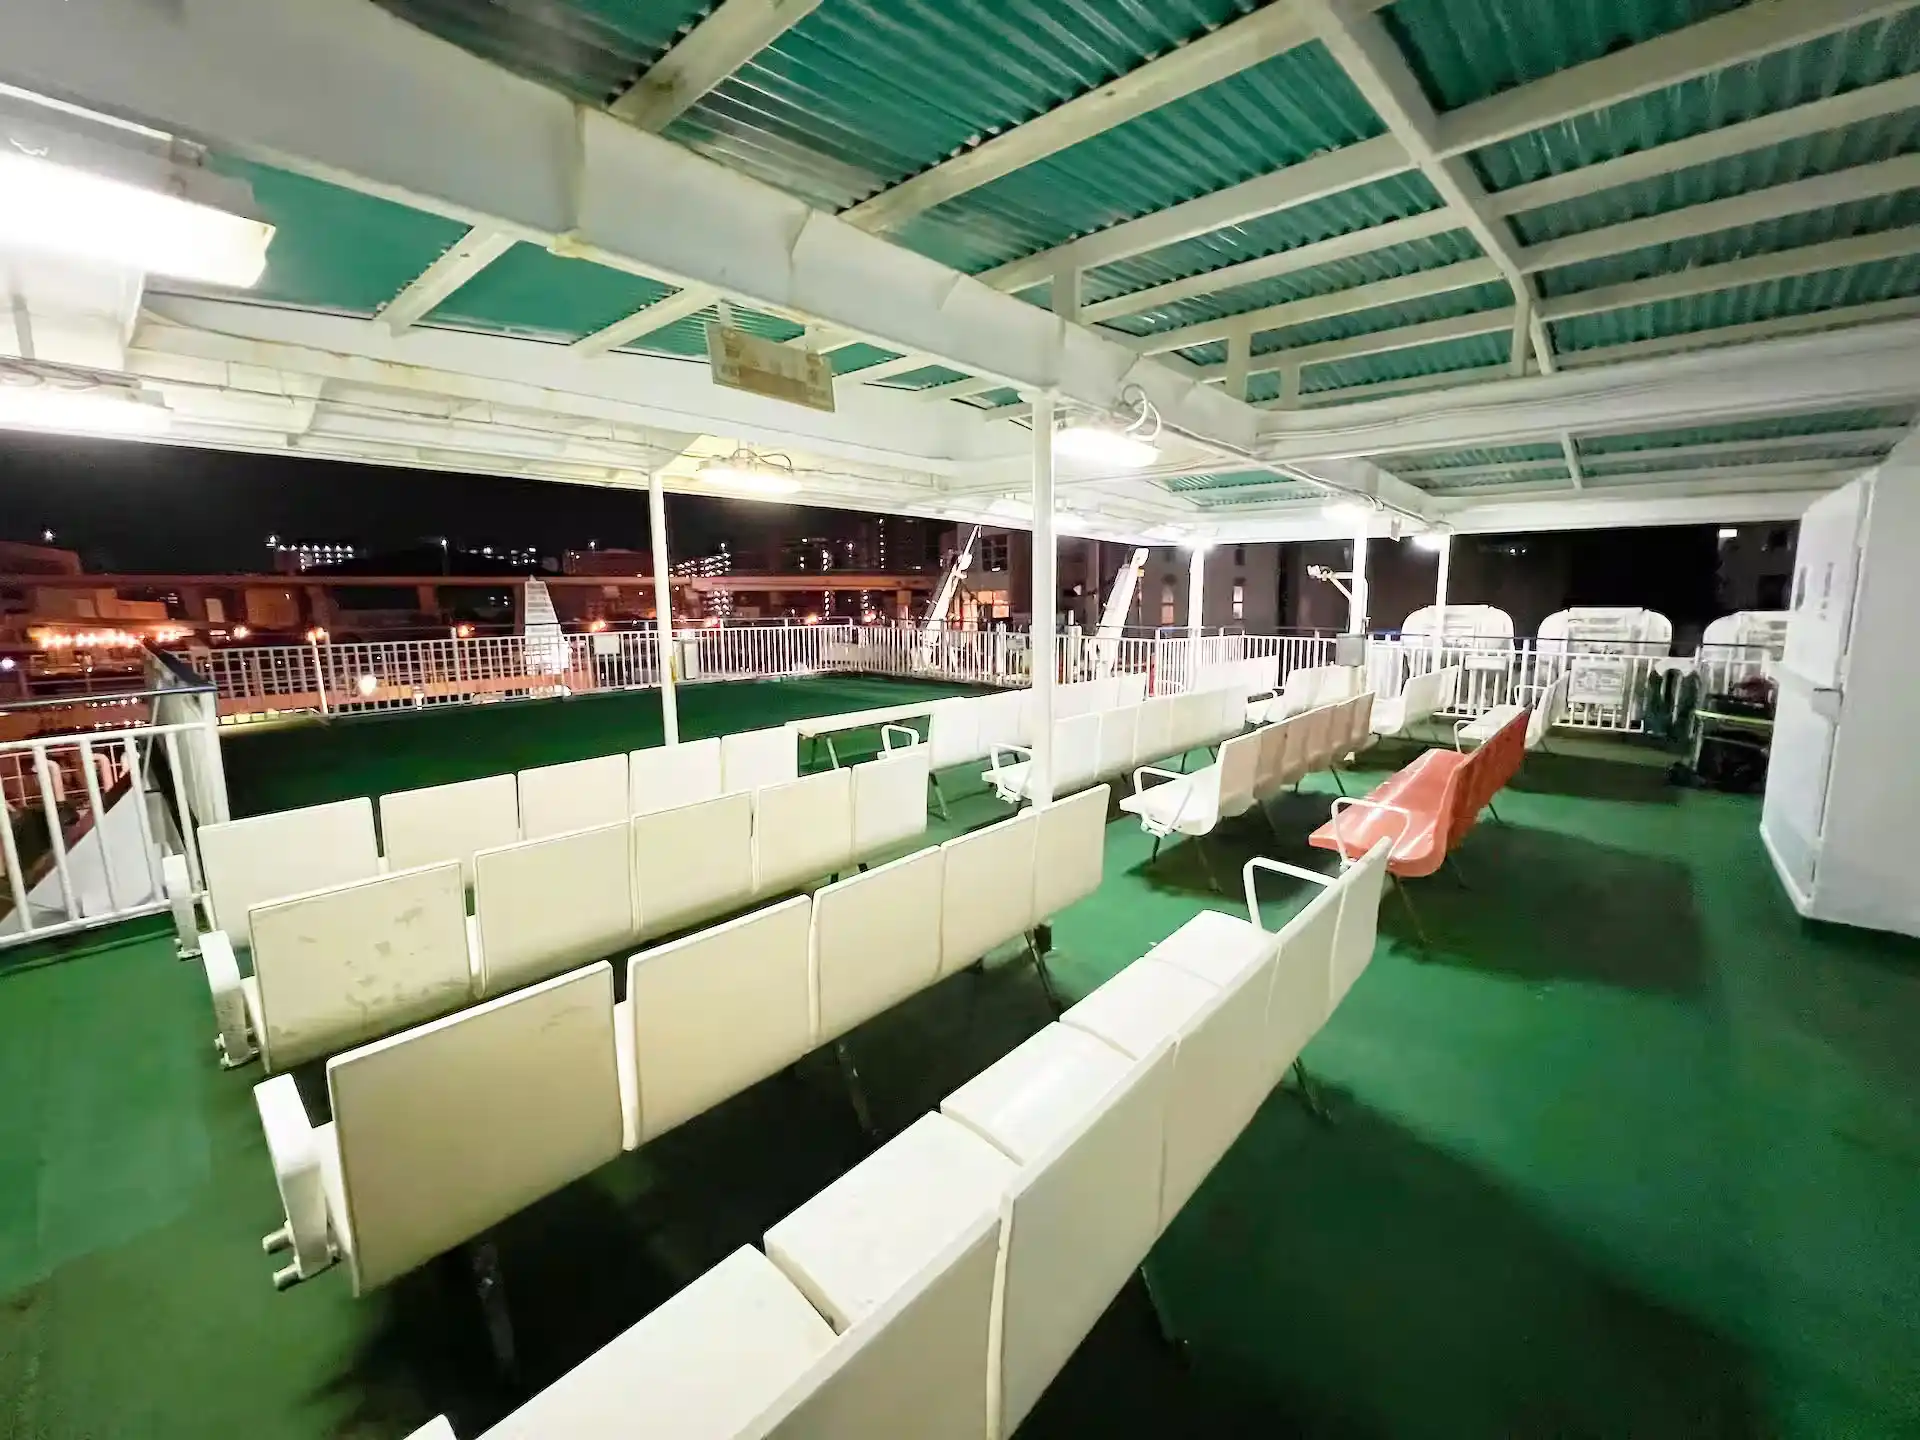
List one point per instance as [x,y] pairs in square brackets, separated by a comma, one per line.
[663,607]
[1040,658]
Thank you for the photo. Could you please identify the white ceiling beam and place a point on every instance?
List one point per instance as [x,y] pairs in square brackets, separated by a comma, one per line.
[1732,38]
[1361,46]
[1753,270]
[886,370]
[666,311]
[1423,226]
[1421,284]
[1571,452]
[1865,366]
[1754,207]
[1871,102]
[731,35]
[1597,462]
[1628,506]
[1791,474]
[466,258]
[1378,389]
[1303,183]
[1818,320]
[1234,47]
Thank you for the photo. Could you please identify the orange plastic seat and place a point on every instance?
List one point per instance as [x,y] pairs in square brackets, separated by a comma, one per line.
[1426,808]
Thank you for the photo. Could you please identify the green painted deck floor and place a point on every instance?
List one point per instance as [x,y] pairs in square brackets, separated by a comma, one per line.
[1633,1152]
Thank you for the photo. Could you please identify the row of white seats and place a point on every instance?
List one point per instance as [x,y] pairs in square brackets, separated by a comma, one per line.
[1257,676]
[937,1289]
[1251,770]
[1306,689]
[1106,744]
[445,1130]
[372,953]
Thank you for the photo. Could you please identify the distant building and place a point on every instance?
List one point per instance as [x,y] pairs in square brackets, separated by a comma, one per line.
[297,557]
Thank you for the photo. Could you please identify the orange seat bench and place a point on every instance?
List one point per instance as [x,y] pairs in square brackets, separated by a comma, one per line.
[1426,808]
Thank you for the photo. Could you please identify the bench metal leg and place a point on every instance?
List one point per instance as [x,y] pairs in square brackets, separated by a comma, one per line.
[856,1092]
[1154,854]
[833,754]
[1206,862]
[939,795]
[1309,1093]
[1046,978]
[490,1288]
[1400,889]
[1493,812]
[1459,875]
[1334,771]
[1161,1325]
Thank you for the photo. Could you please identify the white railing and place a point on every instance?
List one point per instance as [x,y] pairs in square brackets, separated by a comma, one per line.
[89,818]
[1609,683]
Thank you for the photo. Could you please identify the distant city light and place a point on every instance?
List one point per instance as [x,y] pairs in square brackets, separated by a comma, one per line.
[317,636]
[241,632]
[463,632]
[46,537]
[1727,532]
[596,626]
[6,663]
[368,685]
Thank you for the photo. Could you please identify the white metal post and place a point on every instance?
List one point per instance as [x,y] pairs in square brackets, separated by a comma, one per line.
[1042,660]
[1357,599]
[1440,595]
[663,607]
[1196,590]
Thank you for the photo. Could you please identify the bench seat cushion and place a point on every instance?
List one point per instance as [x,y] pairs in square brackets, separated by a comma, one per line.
[1483,729]
[1419,836]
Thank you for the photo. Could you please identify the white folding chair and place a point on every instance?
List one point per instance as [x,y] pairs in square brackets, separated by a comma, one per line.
[802,830]
[665,777]
[691,864]
[449,822]
[751,759]
[578,795]
[543,906]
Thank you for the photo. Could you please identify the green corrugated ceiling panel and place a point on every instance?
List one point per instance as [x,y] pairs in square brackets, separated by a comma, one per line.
[689,336]
[1281,493]
[1790,232]
[1805,294]
[1222,480]
[1321,280]
[1862,56]
[1466,50]
[334,248]
[1446,355]
[1277,113]
[1361,208]
[1773,429]
[1367,322]
[1811,155]
[863,93]
[531,291]
[1546,479]
[995,399]
[1473,459]
[588,49]
[858,357]
[925,378]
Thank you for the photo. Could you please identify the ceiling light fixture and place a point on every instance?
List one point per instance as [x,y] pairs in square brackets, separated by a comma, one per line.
[754,473]
[1126,440]
[38,396]
[77,186]
[1347,512]
[1433,541]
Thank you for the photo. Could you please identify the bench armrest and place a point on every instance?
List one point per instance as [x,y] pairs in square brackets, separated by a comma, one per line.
[293,1145]
[1153,770]
[1458,727]
[1347,802]
[232,1035]
[887,732]
[1279,867]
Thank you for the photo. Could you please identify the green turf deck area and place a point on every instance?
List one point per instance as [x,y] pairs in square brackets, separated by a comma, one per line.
[304,762]
[1634,1152]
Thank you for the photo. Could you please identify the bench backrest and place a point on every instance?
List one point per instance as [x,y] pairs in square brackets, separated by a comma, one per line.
[692,863]
[1069,851]
[665,777]
[1550,710]
[1482,776]
[1130,688]
[1153,739]
[1239,764]
[1301,996]
[802,830]
[890,800]
[988,883]
[1119,735]
[1075,760]
[753,758]
[1079,1219]
[556,799]
[875,940]
[452,1127]
[449,822]
[1359,924]
[953,733]
[269,857]
[718,1011]
[1002,719]
[342,966]
[542,906]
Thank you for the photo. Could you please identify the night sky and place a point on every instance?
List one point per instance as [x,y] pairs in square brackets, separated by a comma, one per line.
[130,506]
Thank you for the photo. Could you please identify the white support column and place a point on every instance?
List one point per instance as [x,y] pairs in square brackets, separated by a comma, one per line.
[663,606]
[1440,594]
[1044,593]
[1196,590]
[1357,600]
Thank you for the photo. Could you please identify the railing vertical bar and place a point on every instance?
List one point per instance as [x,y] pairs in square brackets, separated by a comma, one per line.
[56,832]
